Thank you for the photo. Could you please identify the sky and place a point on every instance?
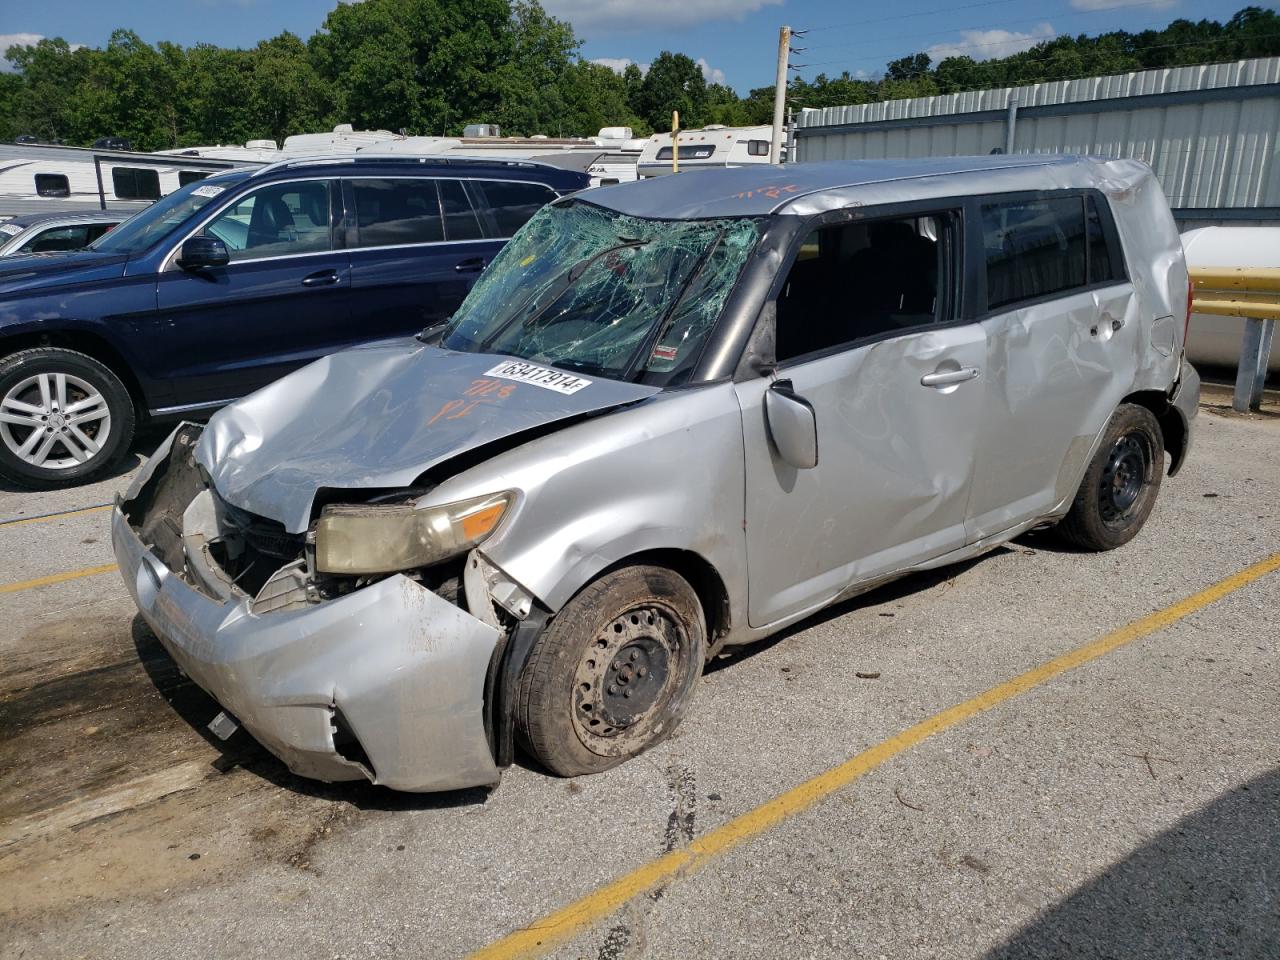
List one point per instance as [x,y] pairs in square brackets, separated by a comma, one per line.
[735,41]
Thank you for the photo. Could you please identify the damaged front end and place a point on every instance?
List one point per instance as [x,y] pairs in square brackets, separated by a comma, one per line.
[350,650]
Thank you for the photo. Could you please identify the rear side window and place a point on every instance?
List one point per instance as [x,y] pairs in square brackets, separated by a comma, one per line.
[190,176]
[461,222]
[1034,248]
[134,183]
[394,212]
[508,206]
[52,185]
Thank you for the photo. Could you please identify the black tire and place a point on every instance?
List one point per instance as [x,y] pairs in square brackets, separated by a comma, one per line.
[106,407]
[1120,487]
[613,673]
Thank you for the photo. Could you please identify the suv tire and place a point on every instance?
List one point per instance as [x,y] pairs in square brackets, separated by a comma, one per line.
[613,673]
[44,446]
[1120,487]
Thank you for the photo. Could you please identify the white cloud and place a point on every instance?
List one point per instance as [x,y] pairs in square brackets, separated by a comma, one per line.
[712,74]
[1114,4]
[990,44]
[618,64]
[8,40]
[619,16]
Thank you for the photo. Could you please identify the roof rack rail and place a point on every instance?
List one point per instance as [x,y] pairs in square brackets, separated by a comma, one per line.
[407,159]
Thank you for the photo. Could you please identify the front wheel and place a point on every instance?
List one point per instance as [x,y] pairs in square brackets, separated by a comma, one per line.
[613,673]
[64,418]
[1120,487]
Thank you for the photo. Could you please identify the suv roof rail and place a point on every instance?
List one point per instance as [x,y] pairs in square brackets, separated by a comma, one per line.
[406,159]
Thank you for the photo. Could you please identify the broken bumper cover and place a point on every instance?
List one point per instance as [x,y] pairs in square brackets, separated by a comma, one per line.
[392,663]
[1186,400]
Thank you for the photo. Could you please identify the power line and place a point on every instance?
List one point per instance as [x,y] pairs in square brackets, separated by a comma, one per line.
[984,27]
[1154,46]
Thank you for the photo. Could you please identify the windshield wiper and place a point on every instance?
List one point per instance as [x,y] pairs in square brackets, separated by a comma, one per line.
[561,285]
[426,333]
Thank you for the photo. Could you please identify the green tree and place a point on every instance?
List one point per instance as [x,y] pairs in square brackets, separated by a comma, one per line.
[674,82]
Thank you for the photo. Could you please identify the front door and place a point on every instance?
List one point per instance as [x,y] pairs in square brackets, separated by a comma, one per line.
[282,301]
[868,332]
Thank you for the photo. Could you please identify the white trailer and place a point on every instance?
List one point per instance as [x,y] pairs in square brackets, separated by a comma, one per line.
[46,178]
[711,147]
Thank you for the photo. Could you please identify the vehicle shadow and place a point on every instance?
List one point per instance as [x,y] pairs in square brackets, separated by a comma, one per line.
[196,708]
[144,444]
[1206,887]
[896,590]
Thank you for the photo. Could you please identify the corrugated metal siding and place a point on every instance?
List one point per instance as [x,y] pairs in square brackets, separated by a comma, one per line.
[1218,154]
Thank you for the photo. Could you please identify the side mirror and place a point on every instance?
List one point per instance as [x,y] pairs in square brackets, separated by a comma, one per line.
[200,252]
[793,425]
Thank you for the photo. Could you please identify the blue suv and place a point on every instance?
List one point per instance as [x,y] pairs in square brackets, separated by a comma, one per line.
[233,281]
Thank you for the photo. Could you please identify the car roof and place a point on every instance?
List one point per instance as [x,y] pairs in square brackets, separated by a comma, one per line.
[77,216]
[765,189]
[366,165]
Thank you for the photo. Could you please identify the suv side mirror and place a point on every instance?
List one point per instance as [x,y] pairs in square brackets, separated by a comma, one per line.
[793,425]
[200,252]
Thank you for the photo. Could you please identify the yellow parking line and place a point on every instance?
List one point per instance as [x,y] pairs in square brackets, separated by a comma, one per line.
[554,929]
[55,578]
[54,516]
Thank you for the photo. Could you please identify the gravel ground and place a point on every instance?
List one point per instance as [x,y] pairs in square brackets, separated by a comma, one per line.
[1129,808]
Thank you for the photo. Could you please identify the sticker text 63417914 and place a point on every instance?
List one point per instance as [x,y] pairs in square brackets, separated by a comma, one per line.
[544,377]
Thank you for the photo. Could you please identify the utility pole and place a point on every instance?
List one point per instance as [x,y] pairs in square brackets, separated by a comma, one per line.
[675,141]
[780,94]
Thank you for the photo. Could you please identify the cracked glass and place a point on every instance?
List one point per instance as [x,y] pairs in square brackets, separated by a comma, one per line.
[592,290]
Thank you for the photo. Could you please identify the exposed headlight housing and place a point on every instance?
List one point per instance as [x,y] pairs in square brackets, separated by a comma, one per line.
[386,538]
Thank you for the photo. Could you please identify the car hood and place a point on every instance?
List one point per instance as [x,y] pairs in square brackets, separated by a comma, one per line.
[378,417]
[37,271]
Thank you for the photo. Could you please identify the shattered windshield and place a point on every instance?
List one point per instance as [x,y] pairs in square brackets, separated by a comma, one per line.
[590,289]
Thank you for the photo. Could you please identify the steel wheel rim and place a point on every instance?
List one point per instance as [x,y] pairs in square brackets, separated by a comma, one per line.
[1124,478]
[626,679]
[54,421]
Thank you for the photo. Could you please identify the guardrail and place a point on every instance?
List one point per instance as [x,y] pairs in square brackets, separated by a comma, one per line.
[1254,294]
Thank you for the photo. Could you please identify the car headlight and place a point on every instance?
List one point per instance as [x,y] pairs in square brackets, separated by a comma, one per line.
[385,538]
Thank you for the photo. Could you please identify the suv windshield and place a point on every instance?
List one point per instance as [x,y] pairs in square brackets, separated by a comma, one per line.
[593,290]
[157,221]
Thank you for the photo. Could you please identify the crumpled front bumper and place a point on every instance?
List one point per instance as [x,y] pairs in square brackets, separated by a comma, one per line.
[393,663]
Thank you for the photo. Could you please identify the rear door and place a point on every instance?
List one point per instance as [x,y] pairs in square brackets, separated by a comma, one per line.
[1062,328]
[282,301]
[417,246]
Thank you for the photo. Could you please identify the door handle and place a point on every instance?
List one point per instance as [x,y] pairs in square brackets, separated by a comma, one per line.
[947,378]
[470,265]
[320,279]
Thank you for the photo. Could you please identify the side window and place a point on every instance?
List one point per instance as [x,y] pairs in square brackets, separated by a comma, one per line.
[190,176]
[859,280]
[460,219]
[276,221]
[57,239]
[95,230]
[1104,264]
[135,183]
[509,205]
[757,148]
[1034,248]
[391,212]
[52,185]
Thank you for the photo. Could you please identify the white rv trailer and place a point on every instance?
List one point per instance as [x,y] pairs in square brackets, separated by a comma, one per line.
[711,147]
[609,157]
[1213,340]
[47,178]
[254,151]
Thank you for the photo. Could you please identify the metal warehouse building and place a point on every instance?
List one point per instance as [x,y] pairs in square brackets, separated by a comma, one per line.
[1209,132]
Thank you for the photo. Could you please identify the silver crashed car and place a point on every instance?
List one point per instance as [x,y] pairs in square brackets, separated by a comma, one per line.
[672,416]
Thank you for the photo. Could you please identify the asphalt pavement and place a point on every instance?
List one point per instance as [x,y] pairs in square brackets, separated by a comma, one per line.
[1127,805]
